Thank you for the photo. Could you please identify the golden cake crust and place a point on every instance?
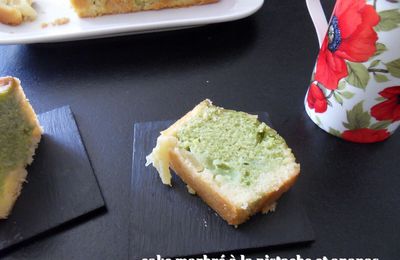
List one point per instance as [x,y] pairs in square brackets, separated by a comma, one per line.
[90,8]
[223,206]
[10,15]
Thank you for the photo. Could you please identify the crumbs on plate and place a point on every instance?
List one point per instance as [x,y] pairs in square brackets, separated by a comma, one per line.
[56,22]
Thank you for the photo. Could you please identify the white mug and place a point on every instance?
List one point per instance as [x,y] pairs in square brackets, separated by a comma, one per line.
[354,91]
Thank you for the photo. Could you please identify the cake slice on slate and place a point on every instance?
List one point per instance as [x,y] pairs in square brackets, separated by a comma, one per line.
[20,135]
[238,165]
[92,8]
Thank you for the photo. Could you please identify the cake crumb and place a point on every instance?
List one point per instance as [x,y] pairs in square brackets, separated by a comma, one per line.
[56,22]
[60,21]
[191,190]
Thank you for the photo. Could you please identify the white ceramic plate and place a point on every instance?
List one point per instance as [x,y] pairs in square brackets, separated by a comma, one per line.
[121,24]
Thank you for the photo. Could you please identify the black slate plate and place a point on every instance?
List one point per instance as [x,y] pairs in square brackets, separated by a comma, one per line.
[61,185]
[171,222]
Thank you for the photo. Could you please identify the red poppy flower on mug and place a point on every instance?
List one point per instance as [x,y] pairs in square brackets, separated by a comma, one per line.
[351,36]
[389,109]
[316,99]
[365,135]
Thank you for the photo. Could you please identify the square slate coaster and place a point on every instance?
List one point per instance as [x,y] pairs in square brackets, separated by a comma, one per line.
[170,222]
[61,186]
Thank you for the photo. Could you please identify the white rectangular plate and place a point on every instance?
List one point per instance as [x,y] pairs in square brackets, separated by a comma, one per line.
[121,24]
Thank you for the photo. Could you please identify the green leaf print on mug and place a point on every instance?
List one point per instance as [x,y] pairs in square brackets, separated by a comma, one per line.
[340,95]
[380,48]
[338,98]
[334,132]
[380,125]
[394,68]
[347,94]
[374,64]
[342,85]
[390,19]
[357,118]
[380,78]
[358,75]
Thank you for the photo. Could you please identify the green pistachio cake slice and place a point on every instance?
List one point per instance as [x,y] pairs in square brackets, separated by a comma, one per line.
[20,135]
[238,165]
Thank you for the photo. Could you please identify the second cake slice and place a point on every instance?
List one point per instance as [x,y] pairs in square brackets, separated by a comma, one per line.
[20,134]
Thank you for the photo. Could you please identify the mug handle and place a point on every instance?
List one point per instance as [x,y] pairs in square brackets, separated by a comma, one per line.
[319,19]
